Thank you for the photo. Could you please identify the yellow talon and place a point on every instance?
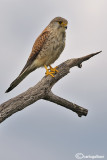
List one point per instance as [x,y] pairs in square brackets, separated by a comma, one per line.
[53,69]
[48,72]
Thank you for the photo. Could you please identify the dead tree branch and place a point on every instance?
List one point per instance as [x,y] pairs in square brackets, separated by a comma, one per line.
[42,90]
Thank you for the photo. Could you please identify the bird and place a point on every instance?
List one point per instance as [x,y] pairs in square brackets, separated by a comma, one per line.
[45,51]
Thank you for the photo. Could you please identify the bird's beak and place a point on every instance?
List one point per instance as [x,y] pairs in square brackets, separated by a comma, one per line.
[64,25]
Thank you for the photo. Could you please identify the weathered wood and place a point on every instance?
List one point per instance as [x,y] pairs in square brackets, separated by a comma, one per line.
[42,90]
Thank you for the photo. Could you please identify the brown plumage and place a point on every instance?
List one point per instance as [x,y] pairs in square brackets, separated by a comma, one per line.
[36,48]
[46,49]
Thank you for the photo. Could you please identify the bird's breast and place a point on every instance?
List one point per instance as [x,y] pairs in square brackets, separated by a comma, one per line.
[55,49]
[51,50]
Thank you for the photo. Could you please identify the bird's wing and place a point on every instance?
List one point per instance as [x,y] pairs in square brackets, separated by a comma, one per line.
[38,45]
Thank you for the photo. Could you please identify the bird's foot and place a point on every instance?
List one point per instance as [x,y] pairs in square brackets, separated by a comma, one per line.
[48,72]
[54,70]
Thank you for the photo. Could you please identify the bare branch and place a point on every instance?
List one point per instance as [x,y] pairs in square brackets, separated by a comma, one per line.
[69,105]
[42,90]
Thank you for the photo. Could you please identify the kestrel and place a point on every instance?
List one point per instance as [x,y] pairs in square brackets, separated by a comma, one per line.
[45,51]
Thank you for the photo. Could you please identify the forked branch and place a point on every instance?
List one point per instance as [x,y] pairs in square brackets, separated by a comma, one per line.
[42,90]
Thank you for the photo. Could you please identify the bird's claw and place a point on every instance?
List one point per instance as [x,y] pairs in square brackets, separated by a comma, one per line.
[54,70]
[48,72]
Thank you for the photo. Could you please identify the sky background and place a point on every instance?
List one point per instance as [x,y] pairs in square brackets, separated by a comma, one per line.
[46,131]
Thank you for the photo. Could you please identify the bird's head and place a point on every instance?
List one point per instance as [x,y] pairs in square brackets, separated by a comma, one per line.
[59,23]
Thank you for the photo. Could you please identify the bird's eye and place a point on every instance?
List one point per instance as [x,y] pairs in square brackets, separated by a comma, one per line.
[60,22]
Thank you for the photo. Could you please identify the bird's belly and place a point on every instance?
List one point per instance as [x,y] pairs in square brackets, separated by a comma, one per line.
[49,54]
[54,53]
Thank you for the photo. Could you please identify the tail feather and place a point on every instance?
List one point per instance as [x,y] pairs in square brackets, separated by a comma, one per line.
[17,81]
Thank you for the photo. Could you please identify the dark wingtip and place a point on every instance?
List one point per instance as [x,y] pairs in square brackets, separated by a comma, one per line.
[8,90]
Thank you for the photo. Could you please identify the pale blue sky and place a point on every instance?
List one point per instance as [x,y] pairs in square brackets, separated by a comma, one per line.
[46,131]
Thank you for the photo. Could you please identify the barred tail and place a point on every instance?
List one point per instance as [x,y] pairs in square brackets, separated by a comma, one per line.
[17,81]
